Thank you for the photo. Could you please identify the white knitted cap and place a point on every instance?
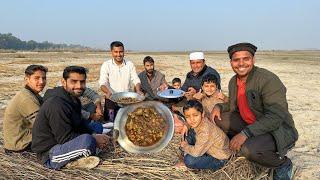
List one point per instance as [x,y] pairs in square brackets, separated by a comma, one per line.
[196,56]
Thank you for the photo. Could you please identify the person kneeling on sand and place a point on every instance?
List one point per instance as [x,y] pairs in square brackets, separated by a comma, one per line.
[60,136]
[256,115]
[206,145]
[21,111]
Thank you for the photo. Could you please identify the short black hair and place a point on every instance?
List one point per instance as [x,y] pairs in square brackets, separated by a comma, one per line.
[148,59]
[176,80]
[193,104]
[116,44]
[33,68]
[74,69]
[210,78]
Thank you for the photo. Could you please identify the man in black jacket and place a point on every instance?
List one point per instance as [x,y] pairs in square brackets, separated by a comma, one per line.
[60,135]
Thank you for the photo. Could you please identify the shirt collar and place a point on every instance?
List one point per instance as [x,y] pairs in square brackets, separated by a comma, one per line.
[123,63]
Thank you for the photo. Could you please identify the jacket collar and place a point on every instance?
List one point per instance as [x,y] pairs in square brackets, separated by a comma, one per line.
[34,93]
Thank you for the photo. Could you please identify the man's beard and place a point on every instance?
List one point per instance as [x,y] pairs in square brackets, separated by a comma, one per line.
[73,93]
[150,71]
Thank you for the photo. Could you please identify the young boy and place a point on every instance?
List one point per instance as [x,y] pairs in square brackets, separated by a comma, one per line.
[176,83]
[210,95]
[210,146]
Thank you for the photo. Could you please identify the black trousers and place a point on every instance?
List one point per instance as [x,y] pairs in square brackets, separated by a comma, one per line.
[260,149]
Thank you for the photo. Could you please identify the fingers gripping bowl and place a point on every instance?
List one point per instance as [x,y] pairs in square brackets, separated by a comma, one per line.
[121,125]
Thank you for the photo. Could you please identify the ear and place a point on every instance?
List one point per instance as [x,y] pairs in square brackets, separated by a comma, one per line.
[63,82]
[202,115]
[253,59]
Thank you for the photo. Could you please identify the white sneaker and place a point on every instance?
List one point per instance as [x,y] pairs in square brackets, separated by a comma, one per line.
[84,163]
[105,130]
[108,125]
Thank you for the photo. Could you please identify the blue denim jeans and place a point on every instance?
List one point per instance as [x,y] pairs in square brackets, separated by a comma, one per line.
[96,127]
[203,162]
[62,154]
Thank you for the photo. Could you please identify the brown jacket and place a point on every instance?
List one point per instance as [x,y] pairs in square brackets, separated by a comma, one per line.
[19,117]
[210,139]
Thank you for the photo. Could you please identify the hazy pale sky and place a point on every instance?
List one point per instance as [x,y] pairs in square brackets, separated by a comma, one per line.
[150,25]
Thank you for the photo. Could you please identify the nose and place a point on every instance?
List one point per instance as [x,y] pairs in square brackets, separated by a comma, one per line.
[42,80]
[241,62]
[78,84]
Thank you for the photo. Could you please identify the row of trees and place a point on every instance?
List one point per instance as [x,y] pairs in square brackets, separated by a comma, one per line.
[8,41]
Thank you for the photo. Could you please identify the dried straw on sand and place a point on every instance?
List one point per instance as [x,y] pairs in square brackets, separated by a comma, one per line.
[118,164]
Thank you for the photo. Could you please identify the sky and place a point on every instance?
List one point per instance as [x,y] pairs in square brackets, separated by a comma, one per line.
[166,25]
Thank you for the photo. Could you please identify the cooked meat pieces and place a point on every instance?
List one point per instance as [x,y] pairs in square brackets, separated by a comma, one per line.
[127,100]
[145,126]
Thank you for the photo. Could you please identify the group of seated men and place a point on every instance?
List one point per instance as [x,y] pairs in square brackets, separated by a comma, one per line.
[253,120]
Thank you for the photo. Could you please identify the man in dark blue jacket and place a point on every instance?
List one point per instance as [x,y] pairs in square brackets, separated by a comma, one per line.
[199,69]
[60,135]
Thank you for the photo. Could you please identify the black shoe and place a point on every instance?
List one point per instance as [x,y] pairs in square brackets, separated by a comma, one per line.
[284,172]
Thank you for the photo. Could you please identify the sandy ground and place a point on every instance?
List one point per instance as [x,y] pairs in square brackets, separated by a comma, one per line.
[299,71]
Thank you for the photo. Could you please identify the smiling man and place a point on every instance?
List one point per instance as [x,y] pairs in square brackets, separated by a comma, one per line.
[257,116]
[199,69]
[22,109]
[60,135]
[117,75]
[152,80]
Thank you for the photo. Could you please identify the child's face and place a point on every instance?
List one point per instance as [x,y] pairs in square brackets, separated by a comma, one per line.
[209,88]
[176,85]
[193,117]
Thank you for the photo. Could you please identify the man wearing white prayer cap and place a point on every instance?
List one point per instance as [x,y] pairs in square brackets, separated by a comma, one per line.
[192,84]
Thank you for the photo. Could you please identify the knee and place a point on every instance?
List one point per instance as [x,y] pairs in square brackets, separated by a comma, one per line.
[87,140]
[189,161]
[248,152]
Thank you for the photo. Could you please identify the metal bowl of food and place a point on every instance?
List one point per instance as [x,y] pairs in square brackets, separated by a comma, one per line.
[126,98]
[124,126]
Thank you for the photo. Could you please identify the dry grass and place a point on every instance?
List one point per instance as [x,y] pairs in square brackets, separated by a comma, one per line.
[118,164]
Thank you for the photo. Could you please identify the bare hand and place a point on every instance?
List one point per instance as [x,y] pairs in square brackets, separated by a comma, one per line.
[96,116]
[162,87]
[102,140]
[99,111]
[189,94]
[108,94]
[215,113]
[140,92]
[184,144]
[220,95]
[237,141]
[198,95]
[178,124]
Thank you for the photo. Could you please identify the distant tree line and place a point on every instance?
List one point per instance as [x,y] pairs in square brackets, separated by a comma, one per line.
[8,41]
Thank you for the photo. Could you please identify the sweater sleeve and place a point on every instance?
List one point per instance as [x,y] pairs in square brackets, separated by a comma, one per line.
[92,95]
[202,145]
[133,74]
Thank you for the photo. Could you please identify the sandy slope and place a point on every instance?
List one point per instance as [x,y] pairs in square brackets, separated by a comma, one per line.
[298,70]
